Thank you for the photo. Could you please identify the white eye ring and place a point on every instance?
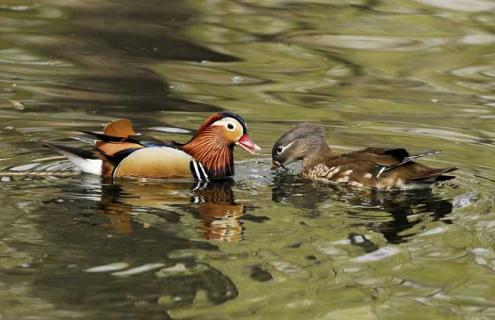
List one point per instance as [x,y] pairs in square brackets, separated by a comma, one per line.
[230,126]
[281,149]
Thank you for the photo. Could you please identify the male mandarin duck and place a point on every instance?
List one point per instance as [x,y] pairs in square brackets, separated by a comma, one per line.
[121,152]
[378,168]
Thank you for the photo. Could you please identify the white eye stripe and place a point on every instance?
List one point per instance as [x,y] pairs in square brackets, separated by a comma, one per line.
[229,123]
[281,149]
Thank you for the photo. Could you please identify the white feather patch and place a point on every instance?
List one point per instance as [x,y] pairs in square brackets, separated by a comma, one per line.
[93,166]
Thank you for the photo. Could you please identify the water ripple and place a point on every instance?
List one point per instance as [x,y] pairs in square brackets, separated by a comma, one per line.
[364,42]
[461,5]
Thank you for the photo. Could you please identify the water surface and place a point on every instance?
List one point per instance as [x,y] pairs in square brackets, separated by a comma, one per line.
[418,74]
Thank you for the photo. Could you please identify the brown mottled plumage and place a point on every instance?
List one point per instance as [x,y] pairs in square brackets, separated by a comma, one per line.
[378,168]
[208,155]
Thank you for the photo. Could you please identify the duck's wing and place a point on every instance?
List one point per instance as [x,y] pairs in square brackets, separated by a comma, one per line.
[378,168]
[120,151]
[143,156]
[119,136]
[390,159]
[151,162]
[399,163]
[386,158]
[370,160]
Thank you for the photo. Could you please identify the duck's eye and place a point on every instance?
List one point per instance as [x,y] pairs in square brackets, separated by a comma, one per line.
[230,126]
[279,150]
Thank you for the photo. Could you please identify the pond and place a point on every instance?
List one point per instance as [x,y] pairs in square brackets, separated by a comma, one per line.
[267,245]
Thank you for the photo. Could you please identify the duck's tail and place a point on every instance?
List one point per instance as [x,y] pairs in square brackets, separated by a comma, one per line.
[434,175]
[85,160]
[425,178]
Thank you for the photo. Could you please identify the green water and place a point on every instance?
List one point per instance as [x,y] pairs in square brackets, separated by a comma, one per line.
[418,74]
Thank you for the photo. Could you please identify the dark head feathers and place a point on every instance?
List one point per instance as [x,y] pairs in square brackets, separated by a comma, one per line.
[228,114]
[221,115]
[297,143]
[302,130]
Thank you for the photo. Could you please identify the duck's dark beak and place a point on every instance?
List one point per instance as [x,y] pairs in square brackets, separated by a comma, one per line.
[247,144]
[276,165]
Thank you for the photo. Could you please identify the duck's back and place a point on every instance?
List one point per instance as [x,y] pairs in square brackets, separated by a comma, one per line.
[375,167]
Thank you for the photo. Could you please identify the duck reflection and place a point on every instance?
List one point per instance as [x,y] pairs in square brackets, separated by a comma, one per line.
[404,209]
[141,217]
[213,204]
[220,215]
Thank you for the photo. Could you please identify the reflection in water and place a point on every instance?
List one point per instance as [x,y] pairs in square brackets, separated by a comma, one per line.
[220,215]
[212,203]
[159,268]
[404,209]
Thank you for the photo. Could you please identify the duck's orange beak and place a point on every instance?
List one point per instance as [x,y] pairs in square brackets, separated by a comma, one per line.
[247,144]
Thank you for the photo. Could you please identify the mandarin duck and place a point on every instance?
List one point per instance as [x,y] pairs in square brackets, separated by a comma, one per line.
[121,152]
[379,168]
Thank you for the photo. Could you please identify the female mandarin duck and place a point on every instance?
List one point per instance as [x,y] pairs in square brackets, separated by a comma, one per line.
[378,168]
[208,155]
